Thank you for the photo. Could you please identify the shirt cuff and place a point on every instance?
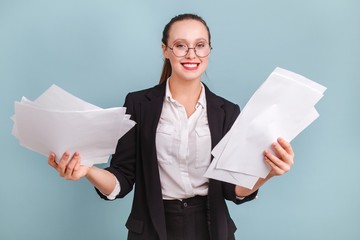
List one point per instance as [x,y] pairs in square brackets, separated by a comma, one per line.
[115,192]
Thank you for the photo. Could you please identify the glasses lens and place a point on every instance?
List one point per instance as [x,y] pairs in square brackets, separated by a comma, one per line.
[180,49]
[202,49]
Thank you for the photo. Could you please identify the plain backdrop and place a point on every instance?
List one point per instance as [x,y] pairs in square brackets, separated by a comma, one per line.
[101,50]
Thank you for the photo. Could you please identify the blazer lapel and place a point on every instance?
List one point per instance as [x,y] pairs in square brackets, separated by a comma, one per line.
[215,115]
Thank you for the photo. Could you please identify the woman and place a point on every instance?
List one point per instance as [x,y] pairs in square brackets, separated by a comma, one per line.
[166,154]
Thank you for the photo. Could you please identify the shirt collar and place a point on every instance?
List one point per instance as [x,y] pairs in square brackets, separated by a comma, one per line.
[202,99]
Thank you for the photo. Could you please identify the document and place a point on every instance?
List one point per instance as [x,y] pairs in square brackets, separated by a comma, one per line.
[57,122]
[283,106]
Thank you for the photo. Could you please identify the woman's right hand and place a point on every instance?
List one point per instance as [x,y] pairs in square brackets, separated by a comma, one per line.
[69,169]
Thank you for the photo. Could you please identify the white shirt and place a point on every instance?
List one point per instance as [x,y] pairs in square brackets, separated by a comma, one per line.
[183,147]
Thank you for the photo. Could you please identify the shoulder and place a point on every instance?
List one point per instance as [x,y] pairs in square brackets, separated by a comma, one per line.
[153,96]
[146,94]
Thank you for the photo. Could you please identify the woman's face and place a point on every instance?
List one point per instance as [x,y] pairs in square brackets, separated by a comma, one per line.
[192,33]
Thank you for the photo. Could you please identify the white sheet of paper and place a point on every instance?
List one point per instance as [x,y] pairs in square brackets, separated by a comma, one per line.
[58,121]
[57,98]
[236,178]
[283,106]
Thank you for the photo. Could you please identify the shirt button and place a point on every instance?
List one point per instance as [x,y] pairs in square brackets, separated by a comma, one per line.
[185,204]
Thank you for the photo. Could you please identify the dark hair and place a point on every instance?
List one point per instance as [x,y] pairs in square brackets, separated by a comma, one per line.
[166,70]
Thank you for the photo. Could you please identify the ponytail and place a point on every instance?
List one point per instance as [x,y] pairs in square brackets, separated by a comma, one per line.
[166,71]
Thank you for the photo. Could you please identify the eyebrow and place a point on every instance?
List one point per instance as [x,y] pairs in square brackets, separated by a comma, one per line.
[196,40]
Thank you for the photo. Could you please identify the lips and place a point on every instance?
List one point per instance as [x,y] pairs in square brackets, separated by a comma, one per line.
[190,65]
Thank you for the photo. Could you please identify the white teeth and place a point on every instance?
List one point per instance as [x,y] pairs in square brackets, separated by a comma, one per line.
[192,65]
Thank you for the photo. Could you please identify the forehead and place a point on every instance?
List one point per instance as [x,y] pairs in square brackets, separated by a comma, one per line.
[189,30]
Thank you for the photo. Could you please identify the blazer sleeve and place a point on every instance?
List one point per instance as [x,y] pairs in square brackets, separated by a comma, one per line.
[123,161]
[228,188]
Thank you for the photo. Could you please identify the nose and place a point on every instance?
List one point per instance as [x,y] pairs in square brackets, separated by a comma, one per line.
[191,54]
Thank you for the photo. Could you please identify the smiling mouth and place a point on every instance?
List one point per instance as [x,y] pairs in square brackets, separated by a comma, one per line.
[191,66]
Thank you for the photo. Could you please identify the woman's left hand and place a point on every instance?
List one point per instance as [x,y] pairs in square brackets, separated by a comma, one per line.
[283,159]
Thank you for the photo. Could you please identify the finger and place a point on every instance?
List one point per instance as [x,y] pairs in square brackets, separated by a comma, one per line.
[286,146]
[279,163]
[70,166]
[275,168]
[273,158]
[77,166]
[51,160]
[279,151]
[62,163]
[282,153]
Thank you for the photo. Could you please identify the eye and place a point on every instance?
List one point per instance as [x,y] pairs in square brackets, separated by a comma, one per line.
[200,45]
[180,45]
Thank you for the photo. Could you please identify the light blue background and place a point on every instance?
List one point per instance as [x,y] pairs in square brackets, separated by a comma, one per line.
[100,50]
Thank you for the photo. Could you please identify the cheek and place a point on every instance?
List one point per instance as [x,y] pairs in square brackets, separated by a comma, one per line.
[205,62]
[174,63]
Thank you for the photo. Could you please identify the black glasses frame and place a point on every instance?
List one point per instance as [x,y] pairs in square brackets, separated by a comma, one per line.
[187,51]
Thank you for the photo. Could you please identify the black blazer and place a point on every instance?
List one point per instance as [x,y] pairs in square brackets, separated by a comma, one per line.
[135,162]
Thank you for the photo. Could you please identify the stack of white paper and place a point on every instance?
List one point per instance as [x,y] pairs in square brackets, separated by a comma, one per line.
[283,106]
[58,121]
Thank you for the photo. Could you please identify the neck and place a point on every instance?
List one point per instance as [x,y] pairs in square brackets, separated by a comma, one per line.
[185,88]
[186,92]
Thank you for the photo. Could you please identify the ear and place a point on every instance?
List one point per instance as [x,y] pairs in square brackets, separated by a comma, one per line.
[165,51]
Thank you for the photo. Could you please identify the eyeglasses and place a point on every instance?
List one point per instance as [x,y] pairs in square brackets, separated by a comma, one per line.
[201,50]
